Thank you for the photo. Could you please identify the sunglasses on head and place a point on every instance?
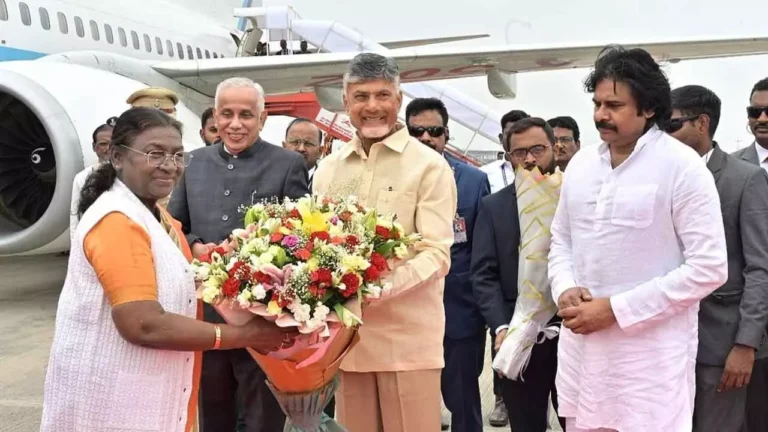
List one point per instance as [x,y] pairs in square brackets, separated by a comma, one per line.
[112,121]
[676,124]
[755,112]
[433,131]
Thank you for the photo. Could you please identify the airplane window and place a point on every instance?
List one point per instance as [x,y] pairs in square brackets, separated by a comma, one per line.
[63,26]
[123,38]
[169,45]
[108,32]
[180,49]
[158,45]
[207,54]
[3,11]
[199,53]
[215,55]
[26,18]
[45,20]
[79,27]
[147,43]
[135,38]
[94,30]
[189,51]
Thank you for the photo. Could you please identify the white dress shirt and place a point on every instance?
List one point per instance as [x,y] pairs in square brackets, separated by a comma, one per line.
[648,235]
[500,174]
[762,156]
[77,186]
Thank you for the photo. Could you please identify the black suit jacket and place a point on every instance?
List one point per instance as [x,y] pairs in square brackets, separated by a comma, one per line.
[495,257]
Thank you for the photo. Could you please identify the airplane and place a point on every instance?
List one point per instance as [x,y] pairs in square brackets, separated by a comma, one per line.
[67,65]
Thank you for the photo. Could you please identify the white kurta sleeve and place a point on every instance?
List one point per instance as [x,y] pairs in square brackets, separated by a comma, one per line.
[698,222]
[560,268]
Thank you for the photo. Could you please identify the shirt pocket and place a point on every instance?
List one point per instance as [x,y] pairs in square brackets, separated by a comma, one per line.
[634,206]
[402,204]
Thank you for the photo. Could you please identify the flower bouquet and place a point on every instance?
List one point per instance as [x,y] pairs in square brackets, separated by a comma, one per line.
[308,263]
[537,198]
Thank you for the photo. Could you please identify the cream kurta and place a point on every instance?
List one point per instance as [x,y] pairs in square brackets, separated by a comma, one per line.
[404,331]
[649,235]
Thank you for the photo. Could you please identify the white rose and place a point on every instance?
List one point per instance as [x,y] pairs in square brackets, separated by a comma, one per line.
[401,251]
[259,293]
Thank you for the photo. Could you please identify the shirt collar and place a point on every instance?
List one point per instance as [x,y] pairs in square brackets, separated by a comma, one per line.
[397,142]
[250,151]
[762,153]
[652,134]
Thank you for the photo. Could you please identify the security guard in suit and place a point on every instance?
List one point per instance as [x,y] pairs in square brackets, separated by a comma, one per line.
[464,343]
[159,98]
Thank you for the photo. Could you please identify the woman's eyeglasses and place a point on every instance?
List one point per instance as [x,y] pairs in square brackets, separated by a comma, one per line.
[157,158]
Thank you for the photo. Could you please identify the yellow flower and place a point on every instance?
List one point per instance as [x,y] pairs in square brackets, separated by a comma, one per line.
[314,221]
[266,258]
[313,264]
[353,263]
[209,293]
[401,251]
[384,222]
[273,308]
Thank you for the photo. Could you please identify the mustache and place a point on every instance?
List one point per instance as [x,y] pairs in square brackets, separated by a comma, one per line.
[605,125]
[763,125]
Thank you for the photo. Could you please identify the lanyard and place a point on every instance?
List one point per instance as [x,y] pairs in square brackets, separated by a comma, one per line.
[504,174]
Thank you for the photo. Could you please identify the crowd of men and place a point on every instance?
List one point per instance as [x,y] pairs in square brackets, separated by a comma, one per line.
[658,263]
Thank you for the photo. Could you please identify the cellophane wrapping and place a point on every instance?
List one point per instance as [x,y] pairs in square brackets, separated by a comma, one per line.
[537,198]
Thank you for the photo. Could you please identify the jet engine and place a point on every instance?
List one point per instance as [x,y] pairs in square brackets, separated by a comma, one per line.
[47,116]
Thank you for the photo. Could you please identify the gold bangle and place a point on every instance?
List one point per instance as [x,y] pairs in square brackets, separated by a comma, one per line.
[218,337]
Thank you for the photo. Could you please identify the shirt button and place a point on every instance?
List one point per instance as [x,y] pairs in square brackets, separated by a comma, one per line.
[225,218]
[227,192]
[230,166]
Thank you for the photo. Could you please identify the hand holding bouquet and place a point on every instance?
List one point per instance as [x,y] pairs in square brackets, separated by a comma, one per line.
[308,263]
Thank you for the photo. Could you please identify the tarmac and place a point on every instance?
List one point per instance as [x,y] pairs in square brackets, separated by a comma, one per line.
[29,295]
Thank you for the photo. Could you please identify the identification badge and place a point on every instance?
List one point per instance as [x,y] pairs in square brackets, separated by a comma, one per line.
[459,230]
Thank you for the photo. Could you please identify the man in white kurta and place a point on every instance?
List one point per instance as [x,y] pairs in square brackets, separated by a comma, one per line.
[648,235]
[642,232]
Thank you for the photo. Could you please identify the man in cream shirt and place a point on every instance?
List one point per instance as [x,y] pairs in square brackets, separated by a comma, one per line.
[390,381]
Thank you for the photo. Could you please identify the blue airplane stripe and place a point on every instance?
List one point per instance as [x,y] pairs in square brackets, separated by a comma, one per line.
[9,54]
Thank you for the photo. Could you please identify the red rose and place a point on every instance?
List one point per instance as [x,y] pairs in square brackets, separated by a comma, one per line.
[372,274]
[378,261]
[231,288]
[383,232]
[276,237]
[220,250]
[322,276]
[320,235]
[352,241]
[294,214]
[352,282]
[262,278]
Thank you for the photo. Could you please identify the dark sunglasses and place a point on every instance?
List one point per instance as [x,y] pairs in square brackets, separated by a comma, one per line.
[112,121]
[755,112]
[674,125]
[433,131]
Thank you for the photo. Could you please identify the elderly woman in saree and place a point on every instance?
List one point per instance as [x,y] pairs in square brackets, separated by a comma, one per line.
[128,337]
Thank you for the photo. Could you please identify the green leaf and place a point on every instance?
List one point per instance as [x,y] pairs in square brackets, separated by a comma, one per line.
[386,248]
[250,217]
[347,318]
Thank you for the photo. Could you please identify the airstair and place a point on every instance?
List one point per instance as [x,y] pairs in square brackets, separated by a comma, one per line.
[275,23]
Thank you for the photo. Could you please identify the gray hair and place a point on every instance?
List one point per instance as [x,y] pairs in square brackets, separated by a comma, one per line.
[240,82]
[371,66]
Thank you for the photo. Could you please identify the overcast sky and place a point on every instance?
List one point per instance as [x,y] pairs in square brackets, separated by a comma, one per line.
[549,94]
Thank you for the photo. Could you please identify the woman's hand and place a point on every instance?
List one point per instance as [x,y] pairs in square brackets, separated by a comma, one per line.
[265,336]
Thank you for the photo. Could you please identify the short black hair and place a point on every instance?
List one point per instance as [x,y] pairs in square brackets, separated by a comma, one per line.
[566,122]
[637,69]
[513,116]
[697,100]
[523,125]
[761,85]
[109,124]
[299,120]
[207,114]
[419,105]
